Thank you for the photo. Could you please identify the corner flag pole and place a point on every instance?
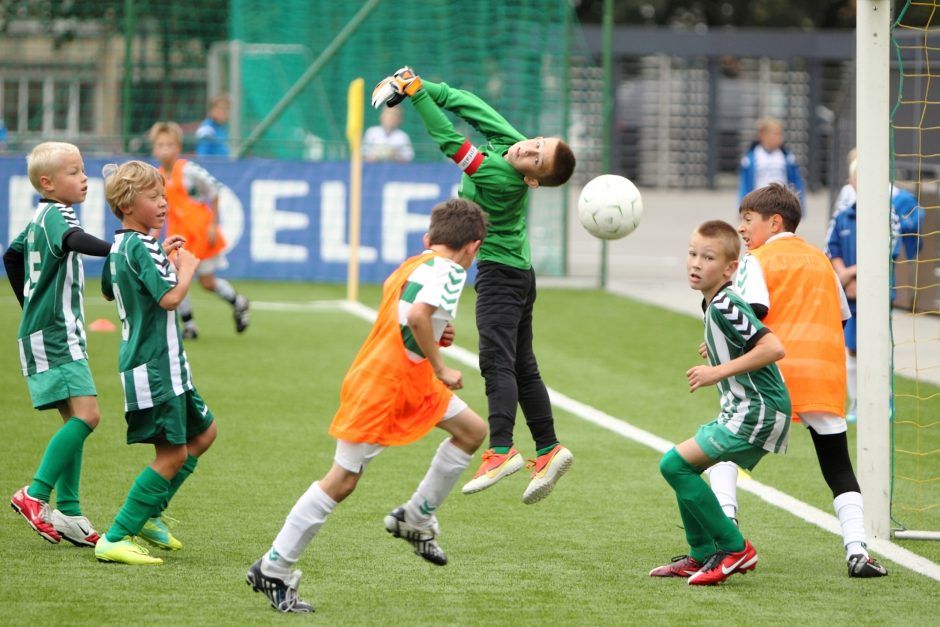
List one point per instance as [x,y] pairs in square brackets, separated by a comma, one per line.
[354,122]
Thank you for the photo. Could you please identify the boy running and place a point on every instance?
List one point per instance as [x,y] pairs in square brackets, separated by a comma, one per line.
[498,177]
[794,290]
[45,270]
[193,196]
[162,407]
[755,411]
[397,389]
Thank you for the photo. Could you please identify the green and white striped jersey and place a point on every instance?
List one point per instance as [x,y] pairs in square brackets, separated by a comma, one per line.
[438,282]
[754,405]
[153,365]
[52,328]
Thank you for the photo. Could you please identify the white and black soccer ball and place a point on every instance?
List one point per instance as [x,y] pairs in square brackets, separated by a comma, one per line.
[610,206]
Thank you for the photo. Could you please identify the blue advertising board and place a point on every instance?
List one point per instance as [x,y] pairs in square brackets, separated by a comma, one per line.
[282,219]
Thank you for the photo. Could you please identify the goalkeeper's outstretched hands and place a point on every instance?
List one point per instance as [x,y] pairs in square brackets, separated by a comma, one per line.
[393,89]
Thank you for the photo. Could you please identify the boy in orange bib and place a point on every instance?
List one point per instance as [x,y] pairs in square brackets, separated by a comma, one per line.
[193,197]
[396,390]
[793,289]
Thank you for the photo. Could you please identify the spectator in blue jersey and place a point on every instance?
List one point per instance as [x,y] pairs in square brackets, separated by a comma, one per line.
[768,160]
[842,249]
[212,134]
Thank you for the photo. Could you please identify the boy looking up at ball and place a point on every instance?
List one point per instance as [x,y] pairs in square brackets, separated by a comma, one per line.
[498,176]
[754,418]
[397,390]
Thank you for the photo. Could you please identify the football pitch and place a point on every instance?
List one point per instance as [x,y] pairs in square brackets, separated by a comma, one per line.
[581,556]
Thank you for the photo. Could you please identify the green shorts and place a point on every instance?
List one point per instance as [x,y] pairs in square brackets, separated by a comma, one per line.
[720,444]
[53,386]
[176,421]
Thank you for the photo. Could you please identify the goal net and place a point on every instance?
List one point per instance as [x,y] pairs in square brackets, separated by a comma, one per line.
[915,155]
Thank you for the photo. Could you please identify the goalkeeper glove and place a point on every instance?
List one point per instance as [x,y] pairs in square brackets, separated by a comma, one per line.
[391,90]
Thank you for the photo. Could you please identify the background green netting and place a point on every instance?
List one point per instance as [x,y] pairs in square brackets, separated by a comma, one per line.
[511,53]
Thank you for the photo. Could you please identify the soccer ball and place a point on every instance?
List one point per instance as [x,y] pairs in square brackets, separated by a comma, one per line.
[610,206]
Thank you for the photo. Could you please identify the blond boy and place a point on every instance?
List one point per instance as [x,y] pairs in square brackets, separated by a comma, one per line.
[44,265]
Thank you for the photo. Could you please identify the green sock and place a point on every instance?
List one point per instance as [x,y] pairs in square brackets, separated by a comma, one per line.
[188,467]
[501,450]
[67,442]
[145,497]
[547,449]
[697,503]
[66,488]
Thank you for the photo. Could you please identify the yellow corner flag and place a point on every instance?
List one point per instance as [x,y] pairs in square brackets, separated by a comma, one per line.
[354,121]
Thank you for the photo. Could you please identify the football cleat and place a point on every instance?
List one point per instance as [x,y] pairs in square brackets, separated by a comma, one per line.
[421,538]
[680,566]
[36,513]
[126,551]
[865,566]
[157,532]
[723,564]
[282,594]
[495,466]
[242,314]
[75,529]
[548,469]
[190,331]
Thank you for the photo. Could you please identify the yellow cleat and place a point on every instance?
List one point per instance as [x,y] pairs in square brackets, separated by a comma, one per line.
[125,551]
[157,533]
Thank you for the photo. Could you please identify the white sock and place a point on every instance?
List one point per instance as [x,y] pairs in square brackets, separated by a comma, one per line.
[225,290]
[851,380]
[448,464]
[723,478]
[185,308]
[849,509]
[302,524]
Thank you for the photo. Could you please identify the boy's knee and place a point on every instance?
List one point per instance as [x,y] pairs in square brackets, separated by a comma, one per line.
[84,408]
[344,487]
[476,434]
[92,419]
[672,466]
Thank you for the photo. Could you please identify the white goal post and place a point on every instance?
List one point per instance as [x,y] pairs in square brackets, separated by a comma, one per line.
[873,50]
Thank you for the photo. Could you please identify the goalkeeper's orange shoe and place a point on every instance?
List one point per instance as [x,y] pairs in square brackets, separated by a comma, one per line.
[495,466]
[548,469]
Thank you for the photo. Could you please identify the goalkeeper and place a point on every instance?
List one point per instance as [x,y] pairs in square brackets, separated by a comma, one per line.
[497,176]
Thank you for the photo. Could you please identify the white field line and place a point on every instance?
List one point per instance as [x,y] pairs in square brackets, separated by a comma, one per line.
[787,503]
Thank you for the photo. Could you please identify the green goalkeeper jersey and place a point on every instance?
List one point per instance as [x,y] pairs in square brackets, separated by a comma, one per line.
[153,365]
[488,179]
[754,405]
[52,328]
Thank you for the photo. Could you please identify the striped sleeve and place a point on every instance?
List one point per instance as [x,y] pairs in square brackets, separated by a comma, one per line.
[57,221]
[740,325]
[197,178]
[154,270]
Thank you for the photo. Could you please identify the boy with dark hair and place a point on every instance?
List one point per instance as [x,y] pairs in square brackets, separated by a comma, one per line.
[498,176]
[794,290]
[755,411]
[44,266]
[397,389]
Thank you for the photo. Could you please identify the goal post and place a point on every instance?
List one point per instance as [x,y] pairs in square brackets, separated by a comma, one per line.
[873,49]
